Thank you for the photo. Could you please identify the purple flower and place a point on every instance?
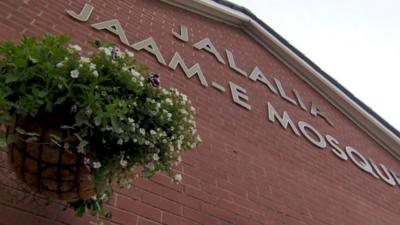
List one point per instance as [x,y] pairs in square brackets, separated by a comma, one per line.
[115,53]
[154,79]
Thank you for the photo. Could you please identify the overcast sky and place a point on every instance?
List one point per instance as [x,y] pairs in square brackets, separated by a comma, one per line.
[357,42]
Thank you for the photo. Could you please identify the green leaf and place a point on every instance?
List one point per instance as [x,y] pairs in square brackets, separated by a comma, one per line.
[10,78]
[32,139]
[80,210]
[3,140]
[10,138]
[97,120]
[20,61]
[20,130]
[55,142]
[60,100]
[33,134]
[55,137]
[42,94]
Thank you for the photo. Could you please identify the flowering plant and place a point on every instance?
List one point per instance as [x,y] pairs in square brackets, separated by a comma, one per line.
[120,118]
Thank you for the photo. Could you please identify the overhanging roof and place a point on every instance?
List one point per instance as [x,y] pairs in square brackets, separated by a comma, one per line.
[363,116]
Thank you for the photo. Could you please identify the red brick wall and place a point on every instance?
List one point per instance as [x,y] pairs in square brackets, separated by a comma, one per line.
[247,170]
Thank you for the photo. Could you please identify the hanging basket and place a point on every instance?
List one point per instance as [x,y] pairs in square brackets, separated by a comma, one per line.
[47,168]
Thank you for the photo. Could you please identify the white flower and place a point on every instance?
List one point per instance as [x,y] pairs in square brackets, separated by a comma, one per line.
[142,131]
[104,197]
[86,161]
[179,144]
[81,147]
[156,157]
[95,73]
[134,72]
[184,97]
[168,101]
[92,66]
[123,163]
[96,165]
[192,109]
[106,51]
[130,120]
[129,53]
[74,73]
[152,132]
[75,47]
[66,146]
[85,60]
[120,141]
[60,64]
[183,111]
[178,177]
[198,138]
[150,166]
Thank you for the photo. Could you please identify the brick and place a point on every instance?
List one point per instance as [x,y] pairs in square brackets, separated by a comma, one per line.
[143,221]
[170,219]
[199,217]
[166,181]
[133,192]
[247,170]
[199,194]
[10,215]
[138,208]
[122,217]
[217,212]
[162,203]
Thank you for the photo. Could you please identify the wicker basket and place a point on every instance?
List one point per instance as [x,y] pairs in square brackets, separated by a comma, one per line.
[47,168]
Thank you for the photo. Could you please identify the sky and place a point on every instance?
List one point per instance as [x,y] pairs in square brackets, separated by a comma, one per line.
[357,42]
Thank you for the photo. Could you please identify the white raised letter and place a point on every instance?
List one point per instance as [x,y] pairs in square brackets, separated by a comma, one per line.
[396,177]
[239,95]
[184,35]
[300,100]
[177,60]
[321,143]
[84,15]
[258,75]
[232,63]
[335,148]
[362,162]
[283,120]
[150,46]
[315,111]
[207,45]
[388,178]
[283,93]
[114,26]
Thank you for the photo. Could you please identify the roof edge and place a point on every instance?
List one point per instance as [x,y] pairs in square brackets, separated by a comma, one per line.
[362,115]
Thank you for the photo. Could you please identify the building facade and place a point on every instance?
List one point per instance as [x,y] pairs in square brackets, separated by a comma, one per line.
[283,143]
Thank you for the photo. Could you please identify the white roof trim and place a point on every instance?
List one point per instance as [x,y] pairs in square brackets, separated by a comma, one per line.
[340,100]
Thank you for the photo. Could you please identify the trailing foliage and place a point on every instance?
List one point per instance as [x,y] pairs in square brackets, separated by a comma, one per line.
[121,118]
